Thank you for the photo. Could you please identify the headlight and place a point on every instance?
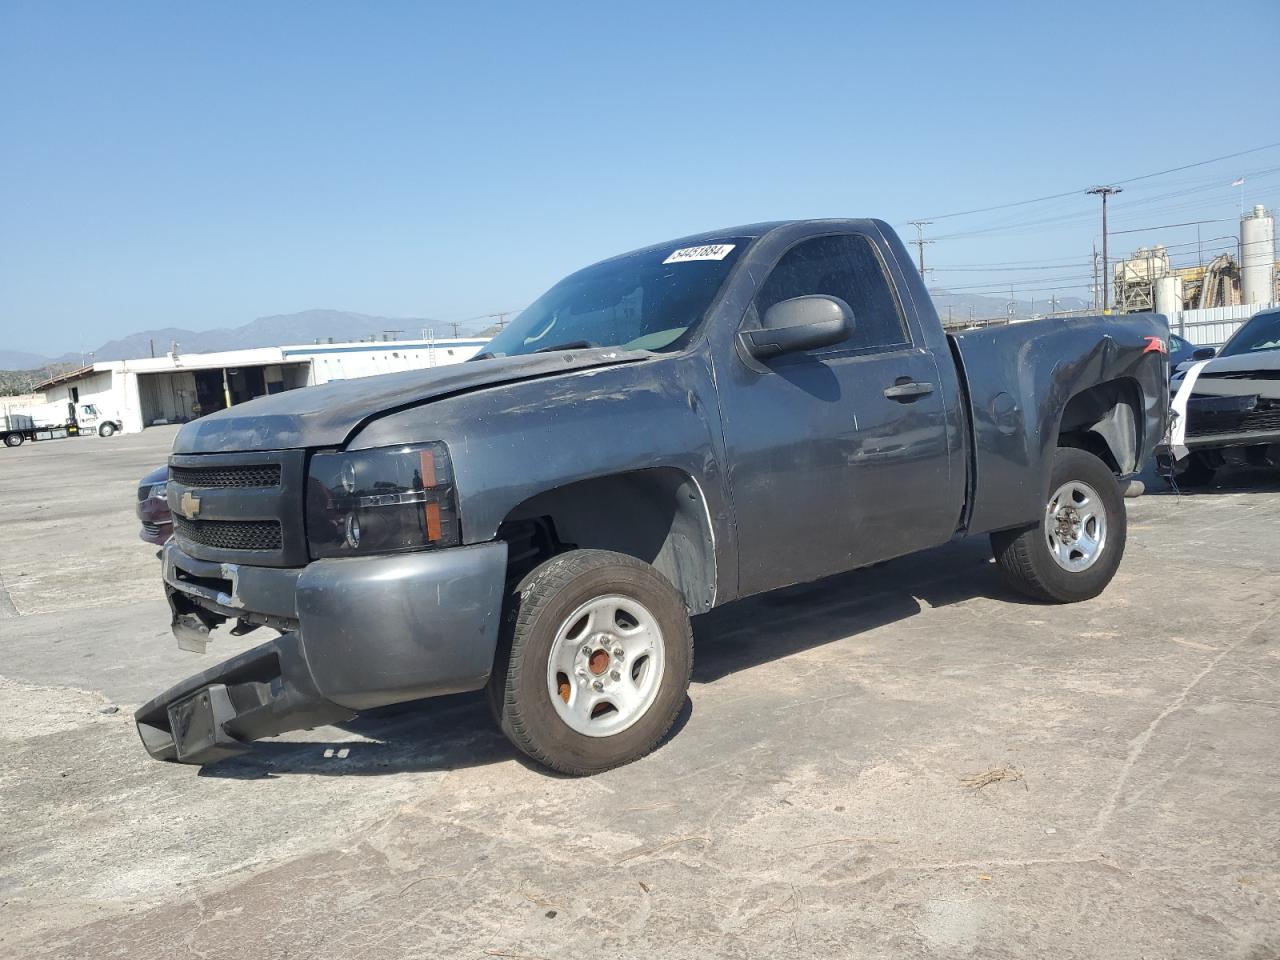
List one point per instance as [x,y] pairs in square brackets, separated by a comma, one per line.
[158,491]
[381,501]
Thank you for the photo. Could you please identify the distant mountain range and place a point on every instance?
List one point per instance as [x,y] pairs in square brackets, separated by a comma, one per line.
[988,308]
[311,325]
[17,360]
[290,328]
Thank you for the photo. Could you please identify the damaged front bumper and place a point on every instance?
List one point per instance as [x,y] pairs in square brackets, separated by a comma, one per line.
[355,633]
[214,714]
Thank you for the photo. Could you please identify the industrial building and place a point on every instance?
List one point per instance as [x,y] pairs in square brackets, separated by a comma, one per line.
[176,388]
[1206,301]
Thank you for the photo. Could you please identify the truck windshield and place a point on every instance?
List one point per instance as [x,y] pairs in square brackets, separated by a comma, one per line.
[1260,333]
[647,300]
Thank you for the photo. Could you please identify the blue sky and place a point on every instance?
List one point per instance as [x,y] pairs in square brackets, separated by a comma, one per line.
[168,164]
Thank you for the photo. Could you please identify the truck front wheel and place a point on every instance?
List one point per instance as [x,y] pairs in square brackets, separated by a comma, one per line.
[106,430]
[1075,549]
[595,661]
[13,439]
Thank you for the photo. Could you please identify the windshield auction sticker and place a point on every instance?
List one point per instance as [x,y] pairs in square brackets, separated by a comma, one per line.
[712,251]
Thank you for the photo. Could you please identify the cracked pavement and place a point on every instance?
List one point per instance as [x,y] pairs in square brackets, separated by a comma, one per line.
[809,803]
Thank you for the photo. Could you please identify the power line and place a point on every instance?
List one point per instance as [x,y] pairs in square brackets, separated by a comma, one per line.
[1168,226]
[995,268]
[1076,192]
[1213,195]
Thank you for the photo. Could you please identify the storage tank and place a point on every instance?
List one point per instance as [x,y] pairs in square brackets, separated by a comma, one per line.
[1257,256]
[1168,295]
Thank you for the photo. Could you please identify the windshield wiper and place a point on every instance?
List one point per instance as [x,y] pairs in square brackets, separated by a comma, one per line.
[570,345]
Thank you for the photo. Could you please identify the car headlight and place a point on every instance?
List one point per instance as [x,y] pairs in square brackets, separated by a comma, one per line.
[158,491]
[387,500]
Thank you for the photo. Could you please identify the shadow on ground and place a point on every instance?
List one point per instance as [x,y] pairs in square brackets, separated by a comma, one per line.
[455,732]
[1225,480]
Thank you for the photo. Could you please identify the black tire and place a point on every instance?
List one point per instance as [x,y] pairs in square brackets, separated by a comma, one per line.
[535,611]
[106,430]
[1024,556]
[13,439]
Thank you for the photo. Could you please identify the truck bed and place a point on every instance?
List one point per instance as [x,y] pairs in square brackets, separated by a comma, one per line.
[1027,383]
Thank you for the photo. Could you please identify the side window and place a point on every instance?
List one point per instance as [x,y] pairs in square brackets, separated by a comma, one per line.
[846,267]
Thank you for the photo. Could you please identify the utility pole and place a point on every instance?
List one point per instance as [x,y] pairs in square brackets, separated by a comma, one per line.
[455,324]
[1104,192]
[920,241]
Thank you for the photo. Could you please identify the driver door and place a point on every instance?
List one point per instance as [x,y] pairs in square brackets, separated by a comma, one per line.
[834,461]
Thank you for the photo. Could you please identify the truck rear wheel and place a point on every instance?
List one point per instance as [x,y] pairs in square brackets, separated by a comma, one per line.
[595,661]
[1075,549]
[13,439]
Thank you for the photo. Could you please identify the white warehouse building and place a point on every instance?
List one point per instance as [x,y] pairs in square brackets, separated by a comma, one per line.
[176,388]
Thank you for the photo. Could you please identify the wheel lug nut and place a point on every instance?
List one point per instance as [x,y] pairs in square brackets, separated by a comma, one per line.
[598,685]
[617,651]
[586,650]
[615,675]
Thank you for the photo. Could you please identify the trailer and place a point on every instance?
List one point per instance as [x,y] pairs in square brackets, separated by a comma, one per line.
[17,428]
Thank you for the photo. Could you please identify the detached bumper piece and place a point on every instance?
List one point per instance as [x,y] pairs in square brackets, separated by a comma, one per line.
[214,714]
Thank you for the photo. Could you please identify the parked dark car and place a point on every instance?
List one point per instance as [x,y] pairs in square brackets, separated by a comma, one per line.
[1183,351]
[153,507]
[1233,411]
[659,434]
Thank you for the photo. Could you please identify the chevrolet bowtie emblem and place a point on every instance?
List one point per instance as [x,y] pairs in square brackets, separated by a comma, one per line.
[189,505]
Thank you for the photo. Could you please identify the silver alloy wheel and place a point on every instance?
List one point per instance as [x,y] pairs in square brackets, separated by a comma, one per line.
[606,665]
[1075,526]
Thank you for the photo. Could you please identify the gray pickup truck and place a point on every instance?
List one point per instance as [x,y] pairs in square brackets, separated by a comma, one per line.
[659,434]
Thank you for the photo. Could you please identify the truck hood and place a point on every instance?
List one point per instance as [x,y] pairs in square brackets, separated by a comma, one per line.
[1245,375]
[1244,363]
[326,415]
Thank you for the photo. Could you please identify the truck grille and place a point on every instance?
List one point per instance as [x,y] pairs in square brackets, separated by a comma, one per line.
[250,475]
[230,534]
[1265,418]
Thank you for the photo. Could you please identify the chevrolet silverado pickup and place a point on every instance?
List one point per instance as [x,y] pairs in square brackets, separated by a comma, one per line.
[659,434]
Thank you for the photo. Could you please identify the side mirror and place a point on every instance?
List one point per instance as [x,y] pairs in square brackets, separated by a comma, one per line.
[801,323]
[1204,353]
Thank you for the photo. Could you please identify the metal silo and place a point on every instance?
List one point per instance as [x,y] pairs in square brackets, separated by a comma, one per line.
[1168,294]
[1257,256]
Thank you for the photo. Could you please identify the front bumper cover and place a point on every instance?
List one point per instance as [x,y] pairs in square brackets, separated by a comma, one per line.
[356,633]
[214,714]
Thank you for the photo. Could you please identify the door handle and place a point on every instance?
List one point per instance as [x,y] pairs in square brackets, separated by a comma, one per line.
[904,389]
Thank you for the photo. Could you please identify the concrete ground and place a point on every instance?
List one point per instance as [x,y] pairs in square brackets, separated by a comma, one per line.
[816,799]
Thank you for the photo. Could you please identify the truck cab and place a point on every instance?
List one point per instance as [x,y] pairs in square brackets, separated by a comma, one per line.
[93,419]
